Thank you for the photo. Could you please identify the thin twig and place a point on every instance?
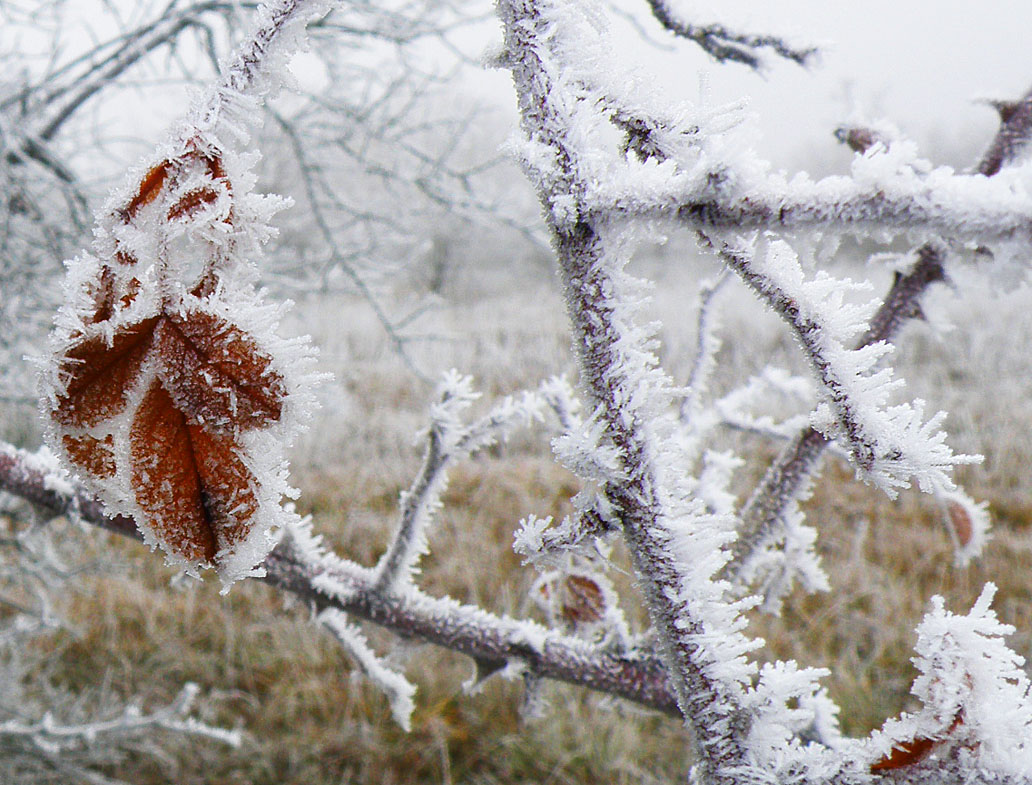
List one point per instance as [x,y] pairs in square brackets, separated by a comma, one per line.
[725,45]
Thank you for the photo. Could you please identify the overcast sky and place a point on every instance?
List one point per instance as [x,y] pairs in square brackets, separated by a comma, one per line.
[919,63]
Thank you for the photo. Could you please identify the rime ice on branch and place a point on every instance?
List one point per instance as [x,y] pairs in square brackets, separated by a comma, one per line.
[628,444]
[165,338]
[169,391]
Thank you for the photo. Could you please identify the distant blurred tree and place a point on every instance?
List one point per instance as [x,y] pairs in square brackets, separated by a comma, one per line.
[372,148]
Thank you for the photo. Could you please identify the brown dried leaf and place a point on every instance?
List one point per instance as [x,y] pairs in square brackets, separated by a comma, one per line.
[582,600]
[216,373]
[190,202]
[207,381]
[904,754]
[228,488]
[99,376]
[150,187]
[97,456]
[195,490]
[960,522]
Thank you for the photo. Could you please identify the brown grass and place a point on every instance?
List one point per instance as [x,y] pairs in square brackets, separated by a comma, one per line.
[309,720]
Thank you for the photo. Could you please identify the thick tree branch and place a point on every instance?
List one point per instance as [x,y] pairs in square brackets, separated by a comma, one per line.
[695,633]
[983,213]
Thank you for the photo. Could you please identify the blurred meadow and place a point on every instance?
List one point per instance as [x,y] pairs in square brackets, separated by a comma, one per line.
[131,631]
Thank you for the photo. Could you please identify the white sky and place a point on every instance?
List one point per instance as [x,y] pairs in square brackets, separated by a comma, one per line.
[920,64]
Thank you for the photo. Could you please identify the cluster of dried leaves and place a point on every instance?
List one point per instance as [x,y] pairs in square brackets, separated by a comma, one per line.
[171,379]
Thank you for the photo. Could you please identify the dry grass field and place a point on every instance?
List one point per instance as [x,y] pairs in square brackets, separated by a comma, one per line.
[306,719]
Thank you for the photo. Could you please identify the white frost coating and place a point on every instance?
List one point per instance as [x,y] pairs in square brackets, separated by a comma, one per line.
[713,486]
[529,538]
[255,71]
[55,477]
[967,522]
[52,736]
[399,690]
[975,693]
[772,568]
[735,409]
[783,741]
[890,445]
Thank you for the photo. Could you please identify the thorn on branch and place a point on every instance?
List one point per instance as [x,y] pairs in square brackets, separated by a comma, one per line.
[859,139]
[1012,137]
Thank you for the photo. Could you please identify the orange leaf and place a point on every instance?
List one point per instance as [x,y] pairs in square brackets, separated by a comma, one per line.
[904,754]
[150,187]
[99,375]
[190,202]
[197,493]
[582,599]
[96,456]
[216,373]
[960,520]
[185,382]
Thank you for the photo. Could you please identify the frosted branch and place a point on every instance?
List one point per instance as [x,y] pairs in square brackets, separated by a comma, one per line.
[957,207]
[724,45]
[394,685]
[539,542]
[51,736]
[889,445]
[706,347]
[448,440]
[700,635]
[257,66]
[1012,138]
[789,476]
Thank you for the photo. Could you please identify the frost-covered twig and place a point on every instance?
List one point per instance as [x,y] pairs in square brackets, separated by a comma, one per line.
[725,45]
[706,347]
[399,690]
[258,65]
[699,634]
[889,446]
[1012,138]
[448,440]
[51,736]
[790,474]
[951,206]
